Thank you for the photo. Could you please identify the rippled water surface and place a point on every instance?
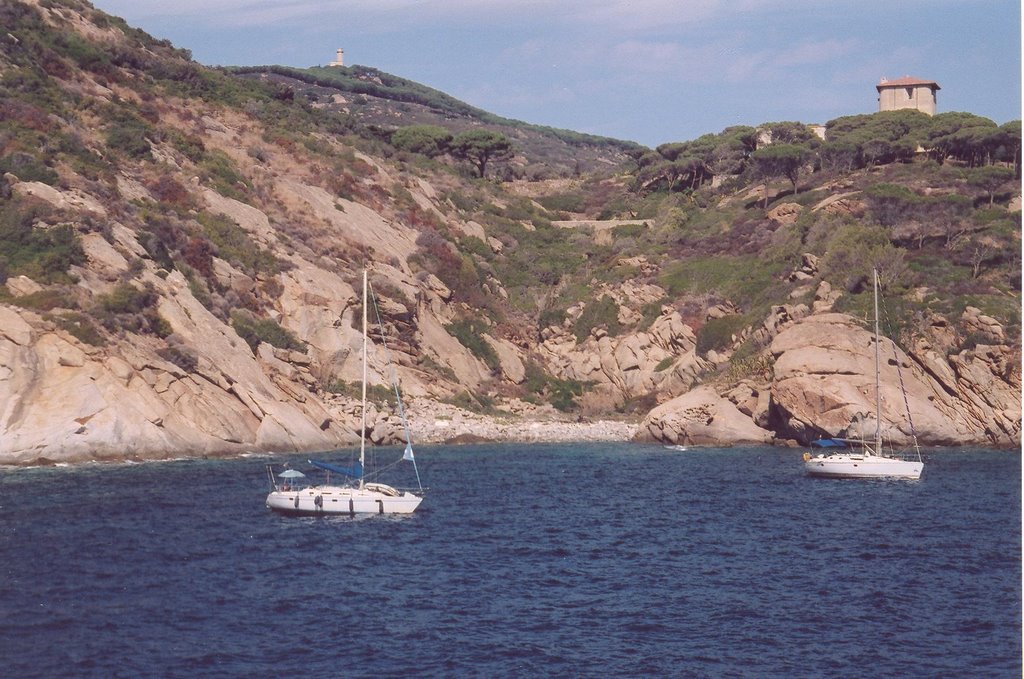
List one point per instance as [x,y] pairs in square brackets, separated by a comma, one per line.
[541,560]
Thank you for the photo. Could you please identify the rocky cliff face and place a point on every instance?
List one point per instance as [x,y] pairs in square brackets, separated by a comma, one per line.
[64,399]
[823,385]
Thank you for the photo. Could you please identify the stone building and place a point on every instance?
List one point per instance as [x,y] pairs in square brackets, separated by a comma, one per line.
[339,58]
[907,92]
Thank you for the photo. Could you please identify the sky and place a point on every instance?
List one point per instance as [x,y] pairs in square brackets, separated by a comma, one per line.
[650,71]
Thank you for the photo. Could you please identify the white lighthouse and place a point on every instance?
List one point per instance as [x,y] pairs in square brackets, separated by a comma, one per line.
[339,58]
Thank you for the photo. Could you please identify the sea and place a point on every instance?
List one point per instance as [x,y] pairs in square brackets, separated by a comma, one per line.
[540,560]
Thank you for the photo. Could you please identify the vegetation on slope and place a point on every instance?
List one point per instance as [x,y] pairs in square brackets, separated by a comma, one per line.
[922,198]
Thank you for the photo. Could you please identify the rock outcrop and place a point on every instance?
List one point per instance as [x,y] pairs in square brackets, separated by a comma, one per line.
[824,386]
[62,400]
[702,417]
[662,359]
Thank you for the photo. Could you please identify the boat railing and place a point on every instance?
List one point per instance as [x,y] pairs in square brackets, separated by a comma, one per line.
[904,453]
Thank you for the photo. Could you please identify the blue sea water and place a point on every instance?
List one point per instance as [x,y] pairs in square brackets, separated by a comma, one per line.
[586,560]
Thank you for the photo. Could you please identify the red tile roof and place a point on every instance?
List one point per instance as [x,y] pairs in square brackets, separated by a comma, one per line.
[907,81]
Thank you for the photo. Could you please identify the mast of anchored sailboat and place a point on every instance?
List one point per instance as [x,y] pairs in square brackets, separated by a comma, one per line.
[878,390]
[362,432]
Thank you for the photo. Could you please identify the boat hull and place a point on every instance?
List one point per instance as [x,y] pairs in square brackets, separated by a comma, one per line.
[843,466]
[337,500]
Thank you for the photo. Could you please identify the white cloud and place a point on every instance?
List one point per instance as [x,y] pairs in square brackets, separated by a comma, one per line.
[608,15]
[817,52]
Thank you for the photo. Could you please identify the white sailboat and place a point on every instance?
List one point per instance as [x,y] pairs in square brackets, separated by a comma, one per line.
[359,496]
[870,460]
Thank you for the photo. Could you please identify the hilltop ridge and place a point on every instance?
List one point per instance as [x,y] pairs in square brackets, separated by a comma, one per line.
[386,102]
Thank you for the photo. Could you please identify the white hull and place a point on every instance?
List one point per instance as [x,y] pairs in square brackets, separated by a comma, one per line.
[862,466]
[321,500]
[368,497]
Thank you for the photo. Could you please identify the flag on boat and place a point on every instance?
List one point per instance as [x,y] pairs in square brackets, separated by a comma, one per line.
[408,453]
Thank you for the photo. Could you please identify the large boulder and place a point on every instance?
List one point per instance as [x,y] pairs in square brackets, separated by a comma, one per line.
[702,417]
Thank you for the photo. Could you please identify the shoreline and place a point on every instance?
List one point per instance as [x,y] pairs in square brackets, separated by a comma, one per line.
[461,429]
[436,425]
[536,432]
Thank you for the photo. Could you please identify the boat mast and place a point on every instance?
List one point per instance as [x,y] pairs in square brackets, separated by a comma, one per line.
[878,391]
[362,431]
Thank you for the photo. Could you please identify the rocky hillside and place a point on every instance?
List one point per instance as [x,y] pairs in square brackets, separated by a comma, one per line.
[181,249]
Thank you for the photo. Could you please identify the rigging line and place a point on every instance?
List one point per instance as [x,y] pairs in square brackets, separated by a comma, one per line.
[903,388]
[381,470]
[394,382]
[906,403]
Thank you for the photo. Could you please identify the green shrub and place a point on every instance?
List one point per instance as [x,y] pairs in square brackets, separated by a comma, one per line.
[551,318]
[127,299]
[197,286]
[428,140]
[256,330]
[236,247]
[87,54]
[750,366]
[600,313]
[45,300]
[444,371]
[564,202]
[131,309]
[664,364]
[854,250]
[561,394]
[179,356]
[190,146]
[478,403]
[629,230]
[375,393]
[220,171]
[42,254]
[717,333]
[81,327]
[27,168]
[468,333]
[129,139]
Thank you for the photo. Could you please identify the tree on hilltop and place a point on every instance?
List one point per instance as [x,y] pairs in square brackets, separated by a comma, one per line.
[480,147]
[779,160]
[429,140]
[989,179]
[963,136]
[1010,149]
[789,132]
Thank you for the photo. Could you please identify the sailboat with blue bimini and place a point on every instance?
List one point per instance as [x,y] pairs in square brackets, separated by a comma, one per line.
[853,458]
[291,495]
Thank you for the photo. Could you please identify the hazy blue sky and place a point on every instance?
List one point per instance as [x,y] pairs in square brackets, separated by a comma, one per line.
[651,71]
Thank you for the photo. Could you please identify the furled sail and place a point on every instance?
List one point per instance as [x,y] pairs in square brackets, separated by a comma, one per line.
[355,471]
